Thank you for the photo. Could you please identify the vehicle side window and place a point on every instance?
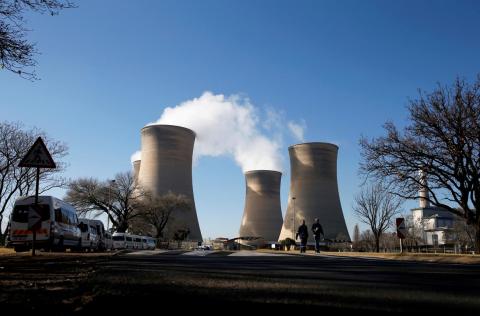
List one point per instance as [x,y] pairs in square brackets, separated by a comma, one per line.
[66,216]
[83,227]
[20,214]
[58,215]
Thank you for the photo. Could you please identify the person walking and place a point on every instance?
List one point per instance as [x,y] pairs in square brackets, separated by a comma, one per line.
[317,233]
[302,233]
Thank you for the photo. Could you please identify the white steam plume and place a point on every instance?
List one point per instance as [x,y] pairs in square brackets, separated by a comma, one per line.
[136,156]
[298,130]
[226,126]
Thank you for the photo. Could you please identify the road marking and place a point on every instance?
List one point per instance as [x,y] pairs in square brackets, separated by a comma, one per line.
[198,253]
[146,252]
[248,253]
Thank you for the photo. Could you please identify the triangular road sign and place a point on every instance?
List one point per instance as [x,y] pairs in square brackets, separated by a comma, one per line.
[38,156]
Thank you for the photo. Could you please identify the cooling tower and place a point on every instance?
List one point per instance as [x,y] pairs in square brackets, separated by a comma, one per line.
[314,186]
[262,216]
[136,170]
[167,166]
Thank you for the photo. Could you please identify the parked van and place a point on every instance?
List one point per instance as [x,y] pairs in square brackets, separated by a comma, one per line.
[151,243]
[108,240]
[100,232]
[137,242]
[90,237]
[58,229]
[129,241]
[120,241]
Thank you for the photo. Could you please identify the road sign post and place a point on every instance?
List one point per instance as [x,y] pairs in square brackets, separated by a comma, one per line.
[401,231]
[38,157]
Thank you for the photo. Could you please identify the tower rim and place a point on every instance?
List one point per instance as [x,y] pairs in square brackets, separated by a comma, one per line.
[313,143]
[169,125]
[262,171]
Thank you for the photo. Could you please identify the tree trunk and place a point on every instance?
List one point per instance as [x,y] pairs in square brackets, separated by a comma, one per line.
[477,236]
[377,243]
[122,227]
[3,235]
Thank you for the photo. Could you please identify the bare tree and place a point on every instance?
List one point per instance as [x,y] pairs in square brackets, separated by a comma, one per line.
[389,241]
[415,234]
[376,207]
[15,141]
[181,235]
[158,211]
[461,234]
[443,141]
[367,241]
[119,200]
[16,52]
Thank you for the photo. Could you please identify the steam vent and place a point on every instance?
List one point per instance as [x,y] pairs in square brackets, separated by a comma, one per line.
[166,165]
[314,186]
[262,216]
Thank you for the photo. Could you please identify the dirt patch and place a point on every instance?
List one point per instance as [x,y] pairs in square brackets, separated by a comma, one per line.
[6,251]
[439,257]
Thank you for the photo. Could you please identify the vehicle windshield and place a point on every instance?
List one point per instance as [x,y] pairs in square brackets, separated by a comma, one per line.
[20,212]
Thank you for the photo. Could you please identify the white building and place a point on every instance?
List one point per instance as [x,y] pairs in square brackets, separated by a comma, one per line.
[431,224]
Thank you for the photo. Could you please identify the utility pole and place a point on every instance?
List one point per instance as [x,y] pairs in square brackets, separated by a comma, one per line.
[293,230]
[112,182]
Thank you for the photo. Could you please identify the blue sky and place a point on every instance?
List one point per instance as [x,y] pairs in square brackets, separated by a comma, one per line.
[108,68]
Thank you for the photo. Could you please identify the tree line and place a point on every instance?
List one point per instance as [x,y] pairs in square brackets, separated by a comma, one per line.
[437,152]
[126,204]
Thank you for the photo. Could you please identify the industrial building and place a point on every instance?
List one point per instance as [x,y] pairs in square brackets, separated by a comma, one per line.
[314,192]
[430,225]
[262,215]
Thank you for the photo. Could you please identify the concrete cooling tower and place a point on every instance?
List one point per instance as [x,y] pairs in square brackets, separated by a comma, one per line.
[136,170]
[262,216]
[167,166]
[314,186]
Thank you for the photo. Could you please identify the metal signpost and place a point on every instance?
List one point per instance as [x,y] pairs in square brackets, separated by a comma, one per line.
[401,231]
[38,157]
[293,230]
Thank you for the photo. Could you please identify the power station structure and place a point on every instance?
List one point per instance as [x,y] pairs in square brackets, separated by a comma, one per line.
[166,166]
[136,170]
[314,192]
[262,216]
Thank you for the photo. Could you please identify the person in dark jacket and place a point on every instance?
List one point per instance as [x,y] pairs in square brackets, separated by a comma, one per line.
[302,233]
[317,233]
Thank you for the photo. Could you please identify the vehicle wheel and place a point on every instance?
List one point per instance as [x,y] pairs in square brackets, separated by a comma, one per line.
[61,246]
[78,247]
[20,248]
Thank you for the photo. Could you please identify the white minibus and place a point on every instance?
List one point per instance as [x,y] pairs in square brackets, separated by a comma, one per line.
[58,228]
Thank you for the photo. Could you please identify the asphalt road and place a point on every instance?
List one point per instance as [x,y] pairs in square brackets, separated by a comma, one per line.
[243,281]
